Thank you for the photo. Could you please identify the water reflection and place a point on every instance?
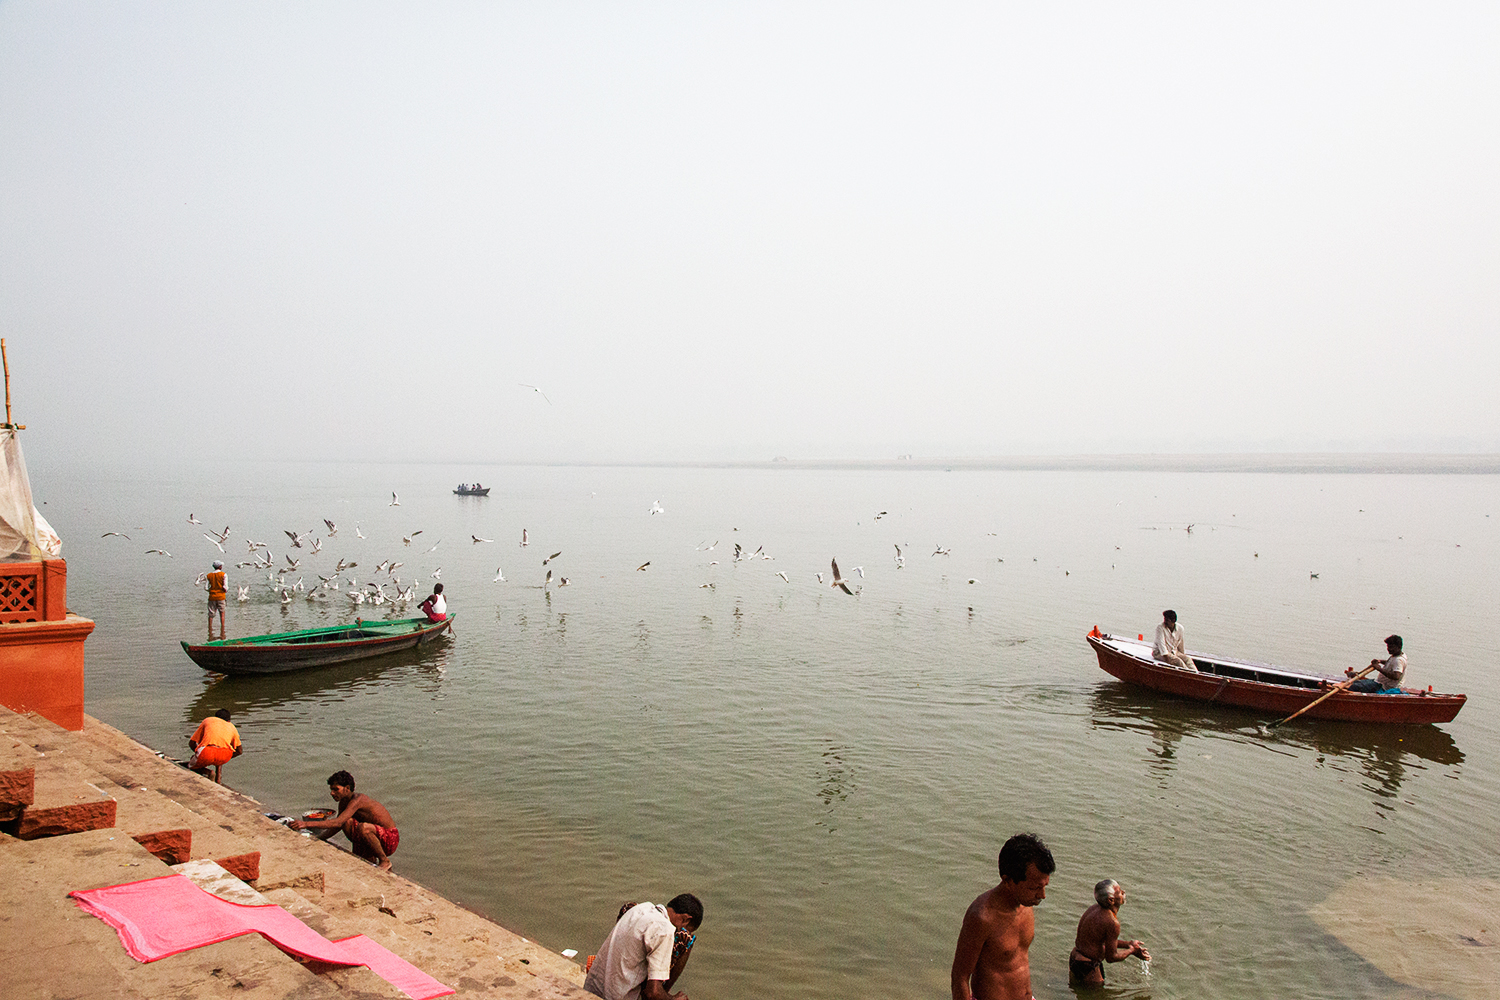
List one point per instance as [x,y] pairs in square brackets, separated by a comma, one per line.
[1383,754]
[336,682]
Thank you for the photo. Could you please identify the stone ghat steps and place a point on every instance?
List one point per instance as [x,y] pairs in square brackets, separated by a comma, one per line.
[336,893]
[50,948]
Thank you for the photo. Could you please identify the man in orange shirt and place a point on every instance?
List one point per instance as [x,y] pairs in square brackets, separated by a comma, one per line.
[218,592]
[215,742]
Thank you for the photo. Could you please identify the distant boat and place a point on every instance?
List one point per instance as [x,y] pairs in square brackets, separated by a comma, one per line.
[282,652]
[1272,690]
[472,491]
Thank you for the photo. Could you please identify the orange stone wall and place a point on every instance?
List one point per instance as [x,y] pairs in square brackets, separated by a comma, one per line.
[41,643]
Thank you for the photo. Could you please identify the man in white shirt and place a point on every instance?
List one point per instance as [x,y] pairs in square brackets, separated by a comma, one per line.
[1388,673]
[1169,646]
[635,961]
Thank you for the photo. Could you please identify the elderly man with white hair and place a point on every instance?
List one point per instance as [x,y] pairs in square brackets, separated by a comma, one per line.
[1099,937]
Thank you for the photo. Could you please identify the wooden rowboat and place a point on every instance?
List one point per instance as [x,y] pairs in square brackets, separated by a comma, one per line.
[464,491]
[313,647]
[1272,690]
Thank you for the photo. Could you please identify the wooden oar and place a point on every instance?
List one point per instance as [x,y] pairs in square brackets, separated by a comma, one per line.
[1318,701]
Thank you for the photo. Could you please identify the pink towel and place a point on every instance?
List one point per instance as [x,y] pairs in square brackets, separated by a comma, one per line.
[167,915]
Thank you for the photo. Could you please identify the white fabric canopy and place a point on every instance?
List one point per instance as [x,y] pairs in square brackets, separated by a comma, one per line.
[22,527]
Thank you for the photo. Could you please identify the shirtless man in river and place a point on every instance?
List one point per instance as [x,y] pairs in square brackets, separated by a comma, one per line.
[1099,937]
[368,824]
[990,962]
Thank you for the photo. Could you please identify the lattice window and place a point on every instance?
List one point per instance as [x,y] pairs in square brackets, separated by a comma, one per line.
[18,599]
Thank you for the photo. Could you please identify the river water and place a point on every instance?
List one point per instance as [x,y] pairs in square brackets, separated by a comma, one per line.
[833,775]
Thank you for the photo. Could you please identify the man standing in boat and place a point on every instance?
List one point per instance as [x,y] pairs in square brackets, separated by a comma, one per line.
[366,823]
[1388,672]
[217,582]
[1098,938]
[1169,646]
[991,962]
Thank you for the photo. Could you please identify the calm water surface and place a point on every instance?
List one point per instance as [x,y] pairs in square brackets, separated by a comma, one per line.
[834,775]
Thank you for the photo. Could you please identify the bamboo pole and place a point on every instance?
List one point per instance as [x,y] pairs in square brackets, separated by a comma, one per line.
[5,359]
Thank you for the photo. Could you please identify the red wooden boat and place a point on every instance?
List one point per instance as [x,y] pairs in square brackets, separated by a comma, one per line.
[1278,691]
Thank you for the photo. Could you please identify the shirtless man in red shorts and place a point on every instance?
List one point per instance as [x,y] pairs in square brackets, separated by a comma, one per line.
[366,823]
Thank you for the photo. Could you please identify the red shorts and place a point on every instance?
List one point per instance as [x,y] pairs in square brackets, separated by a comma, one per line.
[209,756]
[390,838]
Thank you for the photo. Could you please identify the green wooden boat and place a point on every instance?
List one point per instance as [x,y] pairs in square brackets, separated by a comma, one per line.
[313,647]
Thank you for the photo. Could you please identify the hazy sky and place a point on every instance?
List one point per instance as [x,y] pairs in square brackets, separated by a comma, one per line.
[730,231]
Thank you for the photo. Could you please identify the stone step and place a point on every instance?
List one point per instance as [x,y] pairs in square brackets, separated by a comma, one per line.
[17,776]
[69,798]
[43,931]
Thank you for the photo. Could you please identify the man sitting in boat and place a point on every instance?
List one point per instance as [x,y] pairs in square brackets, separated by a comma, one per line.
[366,823]
[436,605]
[1388,672]
[1169,646]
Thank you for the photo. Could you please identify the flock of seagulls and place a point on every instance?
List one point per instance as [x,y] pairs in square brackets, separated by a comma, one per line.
[389,589]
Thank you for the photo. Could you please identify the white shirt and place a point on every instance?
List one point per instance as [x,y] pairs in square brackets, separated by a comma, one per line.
[1391,671]
[639,948]
[1168,640]
[440,605]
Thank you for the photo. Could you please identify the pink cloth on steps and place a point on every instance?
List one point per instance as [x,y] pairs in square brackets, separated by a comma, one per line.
[163,916]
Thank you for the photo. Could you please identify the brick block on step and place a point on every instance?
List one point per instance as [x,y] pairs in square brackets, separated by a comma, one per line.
[245,867]
[17,789]
[172,846]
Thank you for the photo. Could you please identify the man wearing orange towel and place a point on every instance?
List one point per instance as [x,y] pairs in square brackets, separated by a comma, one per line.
[366,823]
[215,742]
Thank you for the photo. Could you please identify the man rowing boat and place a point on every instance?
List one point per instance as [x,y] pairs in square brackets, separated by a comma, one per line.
[1388,672]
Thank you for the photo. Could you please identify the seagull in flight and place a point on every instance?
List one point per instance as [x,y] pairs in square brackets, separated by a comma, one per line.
[547,582]
[294,536]
[357,532]
[437,574]
[293,563]
[499,575]
[159,552]
[880,515]
[434,546]
[642,567]
[562,581]
[524,542]
[395,500]
[940,551]
[222,536]
[406,539]
[656,508]
[536,389]
[333,529]
[317,545]
[192,519]
[252,545]
[475,539]
[244,593]
[217,544]
[838,579]
[117,534]
[782,575]
[900,559]
[550,558]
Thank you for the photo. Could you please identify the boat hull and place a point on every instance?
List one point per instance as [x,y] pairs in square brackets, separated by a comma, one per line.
[279,654]
[1222,681]
[473,493]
